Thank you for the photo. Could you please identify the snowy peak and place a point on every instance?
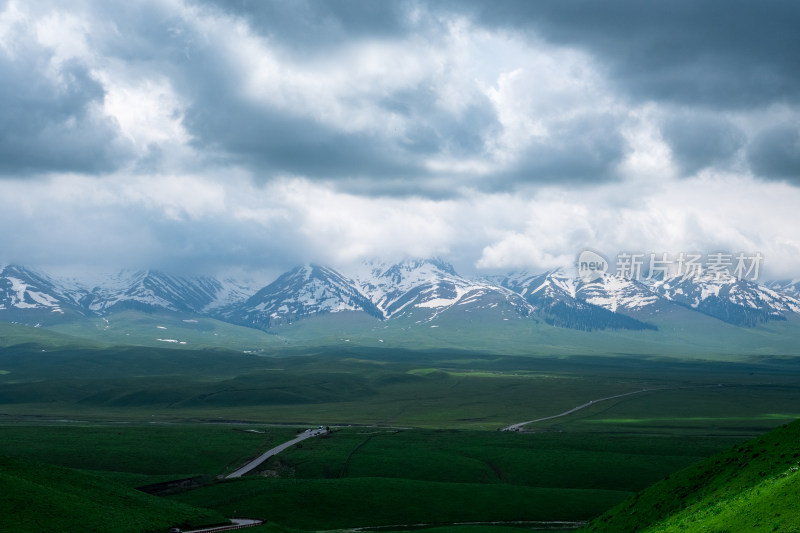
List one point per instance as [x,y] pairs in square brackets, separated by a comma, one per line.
[617,294]
[555,284]
[302,292]
[23,289]
[737,301]
[789,287]
[429,284]
[420,290]
[150,290]
[560,300]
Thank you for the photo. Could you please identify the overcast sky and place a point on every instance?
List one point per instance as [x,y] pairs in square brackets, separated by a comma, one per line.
[499,135]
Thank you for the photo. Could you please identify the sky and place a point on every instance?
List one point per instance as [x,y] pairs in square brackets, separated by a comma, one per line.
[219,136]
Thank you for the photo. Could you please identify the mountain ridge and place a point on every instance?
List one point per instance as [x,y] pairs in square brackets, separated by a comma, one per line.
[428,289]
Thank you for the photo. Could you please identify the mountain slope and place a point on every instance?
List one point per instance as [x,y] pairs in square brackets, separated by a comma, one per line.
[31,298]
[430,287]
[618,294]
[39,497]
[559,300]
[150,290]
[754,486]
[736,301]
[302,292]
[413,291]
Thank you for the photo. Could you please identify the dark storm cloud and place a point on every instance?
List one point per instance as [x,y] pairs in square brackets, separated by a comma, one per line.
[308,24]
[274,140]
[700,140]
[715,53]
[775,153]
[582,150]
[52,123]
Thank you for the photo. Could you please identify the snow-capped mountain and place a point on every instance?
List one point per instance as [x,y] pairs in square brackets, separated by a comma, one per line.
[736,301]
[430,286]
[23,290]
[416,290]
[790,287]
[617,294]
[555,285]
[152,290]
[561,300]
[25,294]
[300,293]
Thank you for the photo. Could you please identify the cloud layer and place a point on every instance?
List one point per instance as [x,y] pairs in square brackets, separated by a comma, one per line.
[214,135]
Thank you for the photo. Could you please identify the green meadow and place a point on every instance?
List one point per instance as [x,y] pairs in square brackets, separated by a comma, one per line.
[753,486]
[43,497]
[415,437]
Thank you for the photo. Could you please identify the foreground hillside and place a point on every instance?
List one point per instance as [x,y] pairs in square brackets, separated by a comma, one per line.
[753,487]
[39,497]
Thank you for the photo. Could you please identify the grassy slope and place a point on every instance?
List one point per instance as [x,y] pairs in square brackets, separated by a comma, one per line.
[371,476]
[144,329]
[15,335]
[137,454]
[444,389]
[755,486]
[682,333]
[38,497]
[352,502]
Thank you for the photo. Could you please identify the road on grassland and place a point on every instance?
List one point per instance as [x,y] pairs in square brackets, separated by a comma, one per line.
[274,451]
[516,427]
[236,523]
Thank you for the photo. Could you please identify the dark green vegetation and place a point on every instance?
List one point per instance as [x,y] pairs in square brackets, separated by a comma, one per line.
[372,476]
[444,389]
[39,497]
[417,439]
[145,453]
[680,333]
[753,487]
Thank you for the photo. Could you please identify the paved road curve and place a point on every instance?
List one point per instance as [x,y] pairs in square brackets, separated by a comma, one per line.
[238,523]
[274,451]
[516,427]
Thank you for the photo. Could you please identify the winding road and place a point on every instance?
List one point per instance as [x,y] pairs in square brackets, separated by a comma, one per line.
[236,523]
[516,427]
[274,451]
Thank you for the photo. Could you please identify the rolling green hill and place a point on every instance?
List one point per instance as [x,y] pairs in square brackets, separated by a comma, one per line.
[39,497]
[165,329]
[753,487]
[681,334]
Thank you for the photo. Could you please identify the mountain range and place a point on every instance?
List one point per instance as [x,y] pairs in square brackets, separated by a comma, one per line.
[421,290]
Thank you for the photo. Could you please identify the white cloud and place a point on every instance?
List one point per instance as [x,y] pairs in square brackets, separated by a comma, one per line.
[176,199]
[148,111]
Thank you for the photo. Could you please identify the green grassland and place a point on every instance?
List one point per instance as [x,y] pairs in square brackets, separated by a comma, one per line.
[681,334]
[39,497]
[531,459]
[316,504]
[378,476]
[415,438]
[754,486]
[143,453]
[358,385]
[187,331]
[17,335]
[499,476]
